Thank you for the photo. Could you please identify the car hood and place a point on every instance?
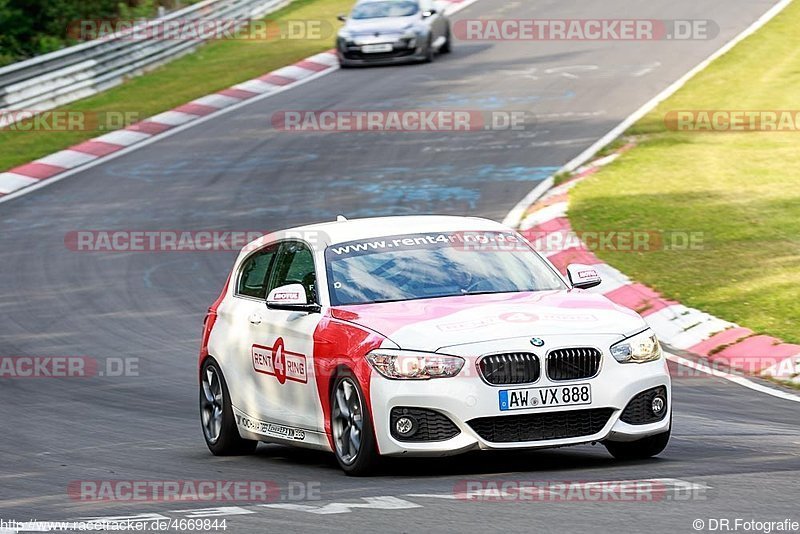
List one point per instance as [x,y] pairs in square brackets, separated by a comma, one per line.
[384,25]
[430,324]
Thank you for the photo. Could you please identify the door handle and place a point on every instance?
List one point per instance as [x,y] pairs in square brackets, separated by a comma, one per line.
[254,318]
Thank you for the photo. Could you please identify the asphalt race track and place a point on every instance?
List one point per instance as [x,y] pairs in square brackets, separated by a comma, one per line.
[734,453]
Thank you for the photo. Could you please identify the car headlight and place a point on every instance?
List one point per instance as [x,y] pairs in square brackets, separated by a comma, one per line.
[639,348]
[411,365]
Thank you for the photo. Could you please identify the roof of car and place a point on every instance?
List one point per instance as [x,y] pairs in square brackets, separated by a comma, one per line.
[321,235]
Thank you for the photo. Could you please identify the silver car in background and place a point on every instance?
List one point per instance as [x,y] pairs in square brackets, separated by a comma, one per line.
[392,31]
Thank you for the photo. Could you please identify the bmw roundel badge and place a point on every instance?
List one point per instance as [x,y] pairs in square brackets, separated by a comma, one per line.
[537,341]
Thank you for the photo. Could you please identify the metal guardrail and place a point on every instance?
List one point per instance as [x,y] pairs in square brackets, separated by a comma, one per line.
[61,77]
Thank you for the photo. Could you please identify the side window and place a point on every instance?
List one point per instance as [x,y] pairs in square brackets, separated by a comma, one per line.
[255,273]
[295,265]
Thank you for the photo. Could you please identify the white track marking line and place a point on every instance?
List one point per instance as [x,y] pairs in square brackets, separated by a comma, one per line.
[373,503]
[742,381]
[516,213]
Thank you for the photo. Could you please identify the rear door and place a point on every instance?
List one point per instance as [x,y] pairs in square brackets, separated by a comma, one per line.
[241,318]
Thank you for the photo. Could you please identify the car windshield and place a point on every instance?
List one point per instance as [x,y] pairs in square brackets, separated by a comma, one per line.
[419,266]
[377,10]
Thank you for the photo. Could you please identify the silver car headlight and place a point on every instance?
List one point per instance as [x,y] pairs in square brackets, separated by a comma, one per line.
[639,348]
[413,365]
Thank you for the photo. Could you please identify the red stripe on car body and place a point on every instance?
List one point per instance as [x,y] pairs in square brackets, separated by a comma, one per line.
[208,323]
[340,344]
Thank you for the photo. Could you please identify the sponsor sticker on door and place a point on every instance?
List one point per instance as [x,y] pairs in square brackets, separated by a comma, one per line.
[280,363]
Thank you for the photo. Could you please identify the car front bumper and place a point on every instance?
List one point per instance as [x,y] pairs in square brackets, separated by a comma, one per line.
[353,56]
[466,397]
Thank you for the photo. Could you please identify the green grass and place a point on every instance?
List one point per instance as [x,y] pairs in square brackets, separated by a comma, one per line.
[739,189]
[213,67]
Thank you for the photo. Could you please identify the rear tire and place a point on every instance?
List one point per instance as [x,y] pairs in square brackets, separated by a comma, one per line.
[639,449]
[351,426]
[216,414]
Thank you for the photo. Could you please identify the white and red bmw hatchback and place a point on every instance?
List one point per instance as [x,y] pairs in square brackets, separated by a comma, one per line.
[423,336]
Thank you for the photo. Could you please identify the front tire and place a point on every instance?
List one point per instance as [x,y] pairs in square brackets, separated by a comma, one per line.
[639,449]
[447,47]
[351,427]
[429,51]
[216,414]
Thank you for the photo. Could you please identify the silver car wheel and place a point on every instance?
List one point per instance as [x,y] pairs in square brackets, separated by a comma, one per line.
[211,404]
[347,421]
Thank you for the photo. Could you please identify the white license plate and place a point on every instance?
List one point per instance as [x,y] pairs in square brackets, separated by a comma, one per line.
[546,397]
[376,48]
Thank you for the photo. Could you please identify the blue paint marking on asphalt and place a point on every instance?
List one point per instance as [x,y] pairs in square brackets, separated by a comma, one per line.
[381,190]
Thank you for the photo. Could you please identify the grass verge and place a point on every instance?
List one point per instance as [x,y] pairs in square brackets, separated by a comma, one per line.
[213,67]
[738,190]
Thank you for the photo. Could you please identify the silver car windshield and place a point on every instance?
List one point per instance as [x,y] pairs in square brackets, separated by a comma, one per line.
[377,10]
[419,266]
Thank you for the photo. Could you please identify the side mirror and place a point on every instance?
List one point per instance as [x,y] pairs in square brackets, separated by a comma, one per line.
[343,18]
[583,276]
[291,297]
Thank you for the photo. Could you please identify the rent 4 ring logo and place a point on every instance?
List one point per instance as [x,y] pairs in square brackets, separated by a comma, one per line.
[280,363]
